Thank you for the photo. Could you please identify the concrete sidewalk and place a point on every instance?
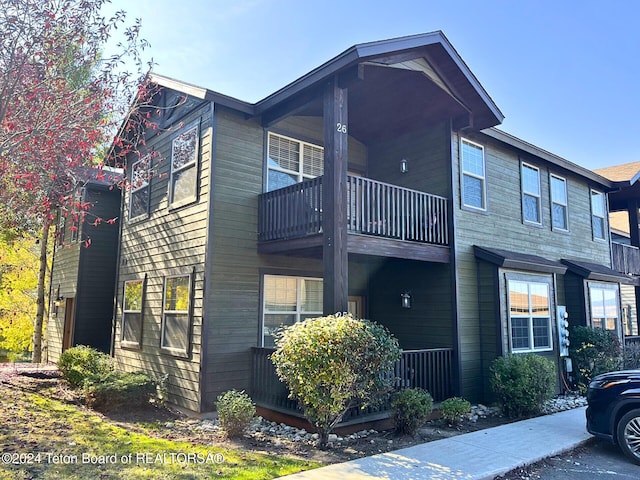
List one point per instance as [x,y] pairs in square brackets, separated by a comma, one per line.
[472,456]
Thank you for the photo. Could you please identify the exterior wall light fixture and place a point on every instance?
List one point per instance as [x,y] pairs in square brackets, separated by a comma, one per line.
[405,299]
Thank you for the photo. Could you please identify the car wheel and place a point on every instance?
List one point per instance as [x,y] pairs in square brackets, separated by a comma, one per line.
[628,435]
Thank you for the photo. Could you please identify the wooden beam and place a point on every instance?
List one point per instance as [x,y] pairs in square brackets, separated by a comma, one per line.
[334,199]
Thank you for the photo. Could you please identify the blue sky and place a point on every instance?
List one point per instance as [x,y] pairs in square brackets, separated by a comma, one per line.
[564,73]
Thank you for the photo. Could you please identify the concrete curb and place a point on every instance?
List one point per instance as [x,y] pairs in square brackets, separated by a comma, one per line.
[480,455]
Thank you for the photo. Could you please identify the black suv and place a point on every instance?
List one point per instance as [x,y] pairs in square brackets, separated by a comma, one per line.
[614,410]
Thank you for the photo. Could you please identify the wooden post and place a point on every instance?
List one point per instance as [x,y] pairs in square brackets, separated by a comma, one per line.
[334,200]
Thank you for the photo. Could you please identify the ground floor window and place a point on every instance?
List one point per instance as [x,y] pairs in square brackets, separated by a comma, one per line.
[529,315]
[603,300]
[132,313]
[287,300]
[176,314]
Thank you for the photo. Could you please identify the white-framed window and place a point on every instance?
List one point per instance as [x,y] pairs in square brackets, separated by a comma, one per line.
[183,184]
[474,189]
[77,214]
[61,228]
[291,161]
[529,315]
[603,300]
[598,222]
[139,188]
[287,300]
[132,303]
[176,314]
[559,203]
[531,204]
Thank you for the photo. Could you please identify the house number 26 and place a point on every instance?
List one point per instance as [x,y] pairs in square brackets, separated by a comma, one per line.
[341,128]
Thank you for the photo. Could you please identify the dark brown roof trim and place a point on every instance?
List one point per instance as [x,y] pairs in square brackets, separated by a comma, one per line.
[595,271]
[548,157]
[518,261]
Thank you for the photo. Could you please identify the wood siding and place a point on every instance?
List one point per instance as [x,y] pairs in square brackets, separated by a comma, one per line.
[168,242]
[97,271]
[489,327]
[427,324]
[86,274]
[428,156]
[502,227]
[629,308]
[64,274]
[233,299]
[310,129]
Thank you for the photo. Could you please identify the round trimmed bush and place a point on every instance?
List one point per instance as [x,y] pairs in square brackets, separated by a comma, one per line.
[235,412]
[80,364]
[333,363]
[452,409]
[411,408]
[523,383]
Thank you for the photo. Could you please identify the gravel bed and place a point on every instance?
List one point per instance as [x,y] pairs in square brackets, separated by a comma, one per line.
[264,429]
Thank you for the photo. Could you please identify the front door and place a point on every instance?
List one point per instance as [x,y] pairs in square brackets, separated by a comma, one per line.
[67,335]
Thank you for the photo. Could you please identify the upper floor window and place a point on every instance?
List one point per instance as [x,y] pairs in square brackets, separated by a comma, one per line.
[176,314]
[559,203]
[531,205]
[598,214]
[132,313]
[184,168]
[60,229]
[291,161]
[139,187]
[288,300]
[603,299]
[77,214]
[474,193]
[529,316]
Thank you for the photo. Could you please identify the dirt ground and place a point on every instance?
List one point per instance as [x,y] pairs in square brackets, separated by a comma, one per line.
[170,424]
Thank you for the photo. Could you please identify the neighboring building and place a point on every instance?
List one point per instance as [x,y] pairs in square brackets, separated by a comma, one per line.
[373,183]
[83,274]
[624,202]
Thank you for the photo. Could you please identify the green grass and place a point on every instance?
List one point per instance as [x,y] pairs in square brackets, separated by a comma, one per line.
[45,431]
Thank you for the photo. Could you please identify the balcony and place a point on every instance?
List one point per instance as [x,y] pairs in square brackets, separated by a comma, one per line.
[626,258]
[381,219]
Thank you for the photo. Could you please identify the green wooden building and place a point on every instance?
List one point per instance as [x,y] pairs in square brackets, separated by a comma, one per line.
[377,183]
[83,273]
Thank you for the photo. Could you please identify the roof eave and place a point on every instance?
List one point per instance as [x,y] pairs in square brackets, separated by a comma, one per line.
[365,51]
[202,93]
[549,157]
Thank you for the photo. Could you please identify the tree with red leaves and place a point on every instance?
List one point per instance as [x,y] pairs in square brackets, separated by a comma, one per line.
[61,103]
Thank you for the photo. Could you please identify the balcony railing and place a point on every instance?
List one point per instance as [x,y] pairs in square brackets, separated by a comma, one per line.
[427,369]
[626,258]
[373,208]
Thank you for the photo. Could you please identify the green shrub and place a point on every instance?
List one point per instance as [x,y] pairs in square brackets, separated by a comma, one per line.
[593,351]
[117,390]
[454,408]
[632,356]
[333,363]
[80,364]
[523,383]
[411,408]
[235,412]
